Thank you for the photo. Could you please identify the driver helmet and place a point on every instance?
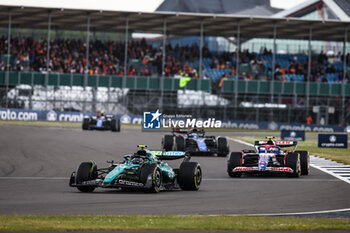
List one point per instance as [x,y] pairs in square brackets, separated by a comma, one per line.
[274,149]
[194,132]
[150,155]
[102,113]
[137,160]
[262,149]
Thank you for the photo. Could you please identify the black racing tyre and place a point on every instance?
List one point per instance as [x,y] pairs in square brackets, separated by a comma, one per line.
[86,123]
[234,161]
[223,149]
[180,143]
[151,169]
[293,162]
[190,176]
[304,162]
[85,172]
[168,142]
[115,125]
[72,179]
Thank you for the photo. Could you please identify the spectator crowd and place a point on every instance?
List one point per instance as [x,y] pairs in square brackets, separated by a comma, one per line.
[107,58]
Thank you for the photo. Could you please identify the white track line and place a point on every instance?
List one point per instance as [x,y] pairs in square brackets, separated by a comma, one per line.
[286,214]
[205,179]
[331,173]
[241,142]
[304,213]
[278,179]
[321,168]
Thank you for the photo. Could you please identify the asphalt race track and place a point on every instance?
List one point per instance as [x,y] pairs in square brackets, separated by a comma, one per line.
[36,162]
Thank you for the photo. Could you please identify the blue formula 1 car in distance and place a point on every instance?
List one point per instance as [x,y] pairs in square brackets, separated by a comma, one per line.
[101,122]
[144,170]
[195,143]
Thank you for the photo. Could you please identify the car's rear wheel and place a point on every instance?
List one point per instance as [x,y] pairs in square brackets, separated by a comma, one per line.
[304,162]
[293,162]
[223,149]
[85,125]
[180,143]
[151,170]
[168,142]
[234,161]
[115,125]
[85,172]
[190,176]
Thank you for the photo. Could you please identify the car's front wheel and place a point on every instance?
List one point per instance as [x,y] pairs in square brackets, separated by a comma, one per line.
[86,123]
[85,172]
[223,148]
[304,162]
[180,143]
[190,176]
[234,161]
[152,172]
[168,142]
[115,125]
[293,162]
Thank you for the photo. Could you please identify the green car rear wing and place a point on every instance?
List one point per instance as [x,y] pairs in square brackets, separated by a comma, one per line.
[169,155]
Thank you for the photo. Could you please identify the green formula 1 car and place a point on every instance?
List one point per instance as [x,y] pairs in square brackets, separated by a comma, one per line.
[144,170]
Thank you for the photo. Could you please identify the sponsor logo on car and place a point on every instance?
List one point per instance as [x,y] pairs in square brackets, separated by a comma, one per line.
[130,183]
[284,142]
[272,169]
[281,169]
[174,153]
[168,153]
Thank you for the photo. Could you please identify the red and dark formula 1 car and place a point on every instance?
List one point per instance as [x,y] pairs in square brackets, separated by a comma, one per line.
[195,142]
[269,158]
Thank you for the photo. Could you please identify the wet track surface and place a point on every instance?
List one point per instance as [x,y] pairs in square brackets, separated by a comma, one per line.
[37,161]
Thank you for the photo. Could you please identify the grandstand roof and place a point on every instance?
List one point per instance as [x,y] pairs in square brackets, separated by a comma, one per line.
[177,23]
[260,10]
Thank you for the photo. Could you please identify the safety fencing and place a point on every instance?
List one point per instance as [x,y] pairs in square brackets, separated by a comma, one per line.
[37,115]
[173,84]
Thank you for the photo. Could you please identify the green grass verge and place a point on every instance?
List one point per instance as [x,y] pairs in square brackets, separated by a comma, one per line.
[42,123]
[132,222]
[339,155]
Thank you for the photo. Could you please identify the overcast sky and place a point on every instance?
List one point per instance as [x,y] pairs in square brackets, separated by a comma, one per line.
[122,5]
[285,4]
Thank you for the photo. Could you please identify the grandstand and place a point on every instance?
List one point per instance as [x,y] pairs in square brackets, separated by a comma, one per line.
[222,74]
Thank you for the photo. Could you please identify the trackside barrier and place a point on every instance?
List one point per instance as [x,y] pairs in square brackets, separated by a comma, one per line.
[333,140]
[77,80]
[37,115]
[293,135]
[285,88]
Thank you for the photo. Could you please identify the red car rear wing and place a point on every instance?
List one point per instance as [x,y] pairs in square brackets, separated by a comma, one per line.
[277,143]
